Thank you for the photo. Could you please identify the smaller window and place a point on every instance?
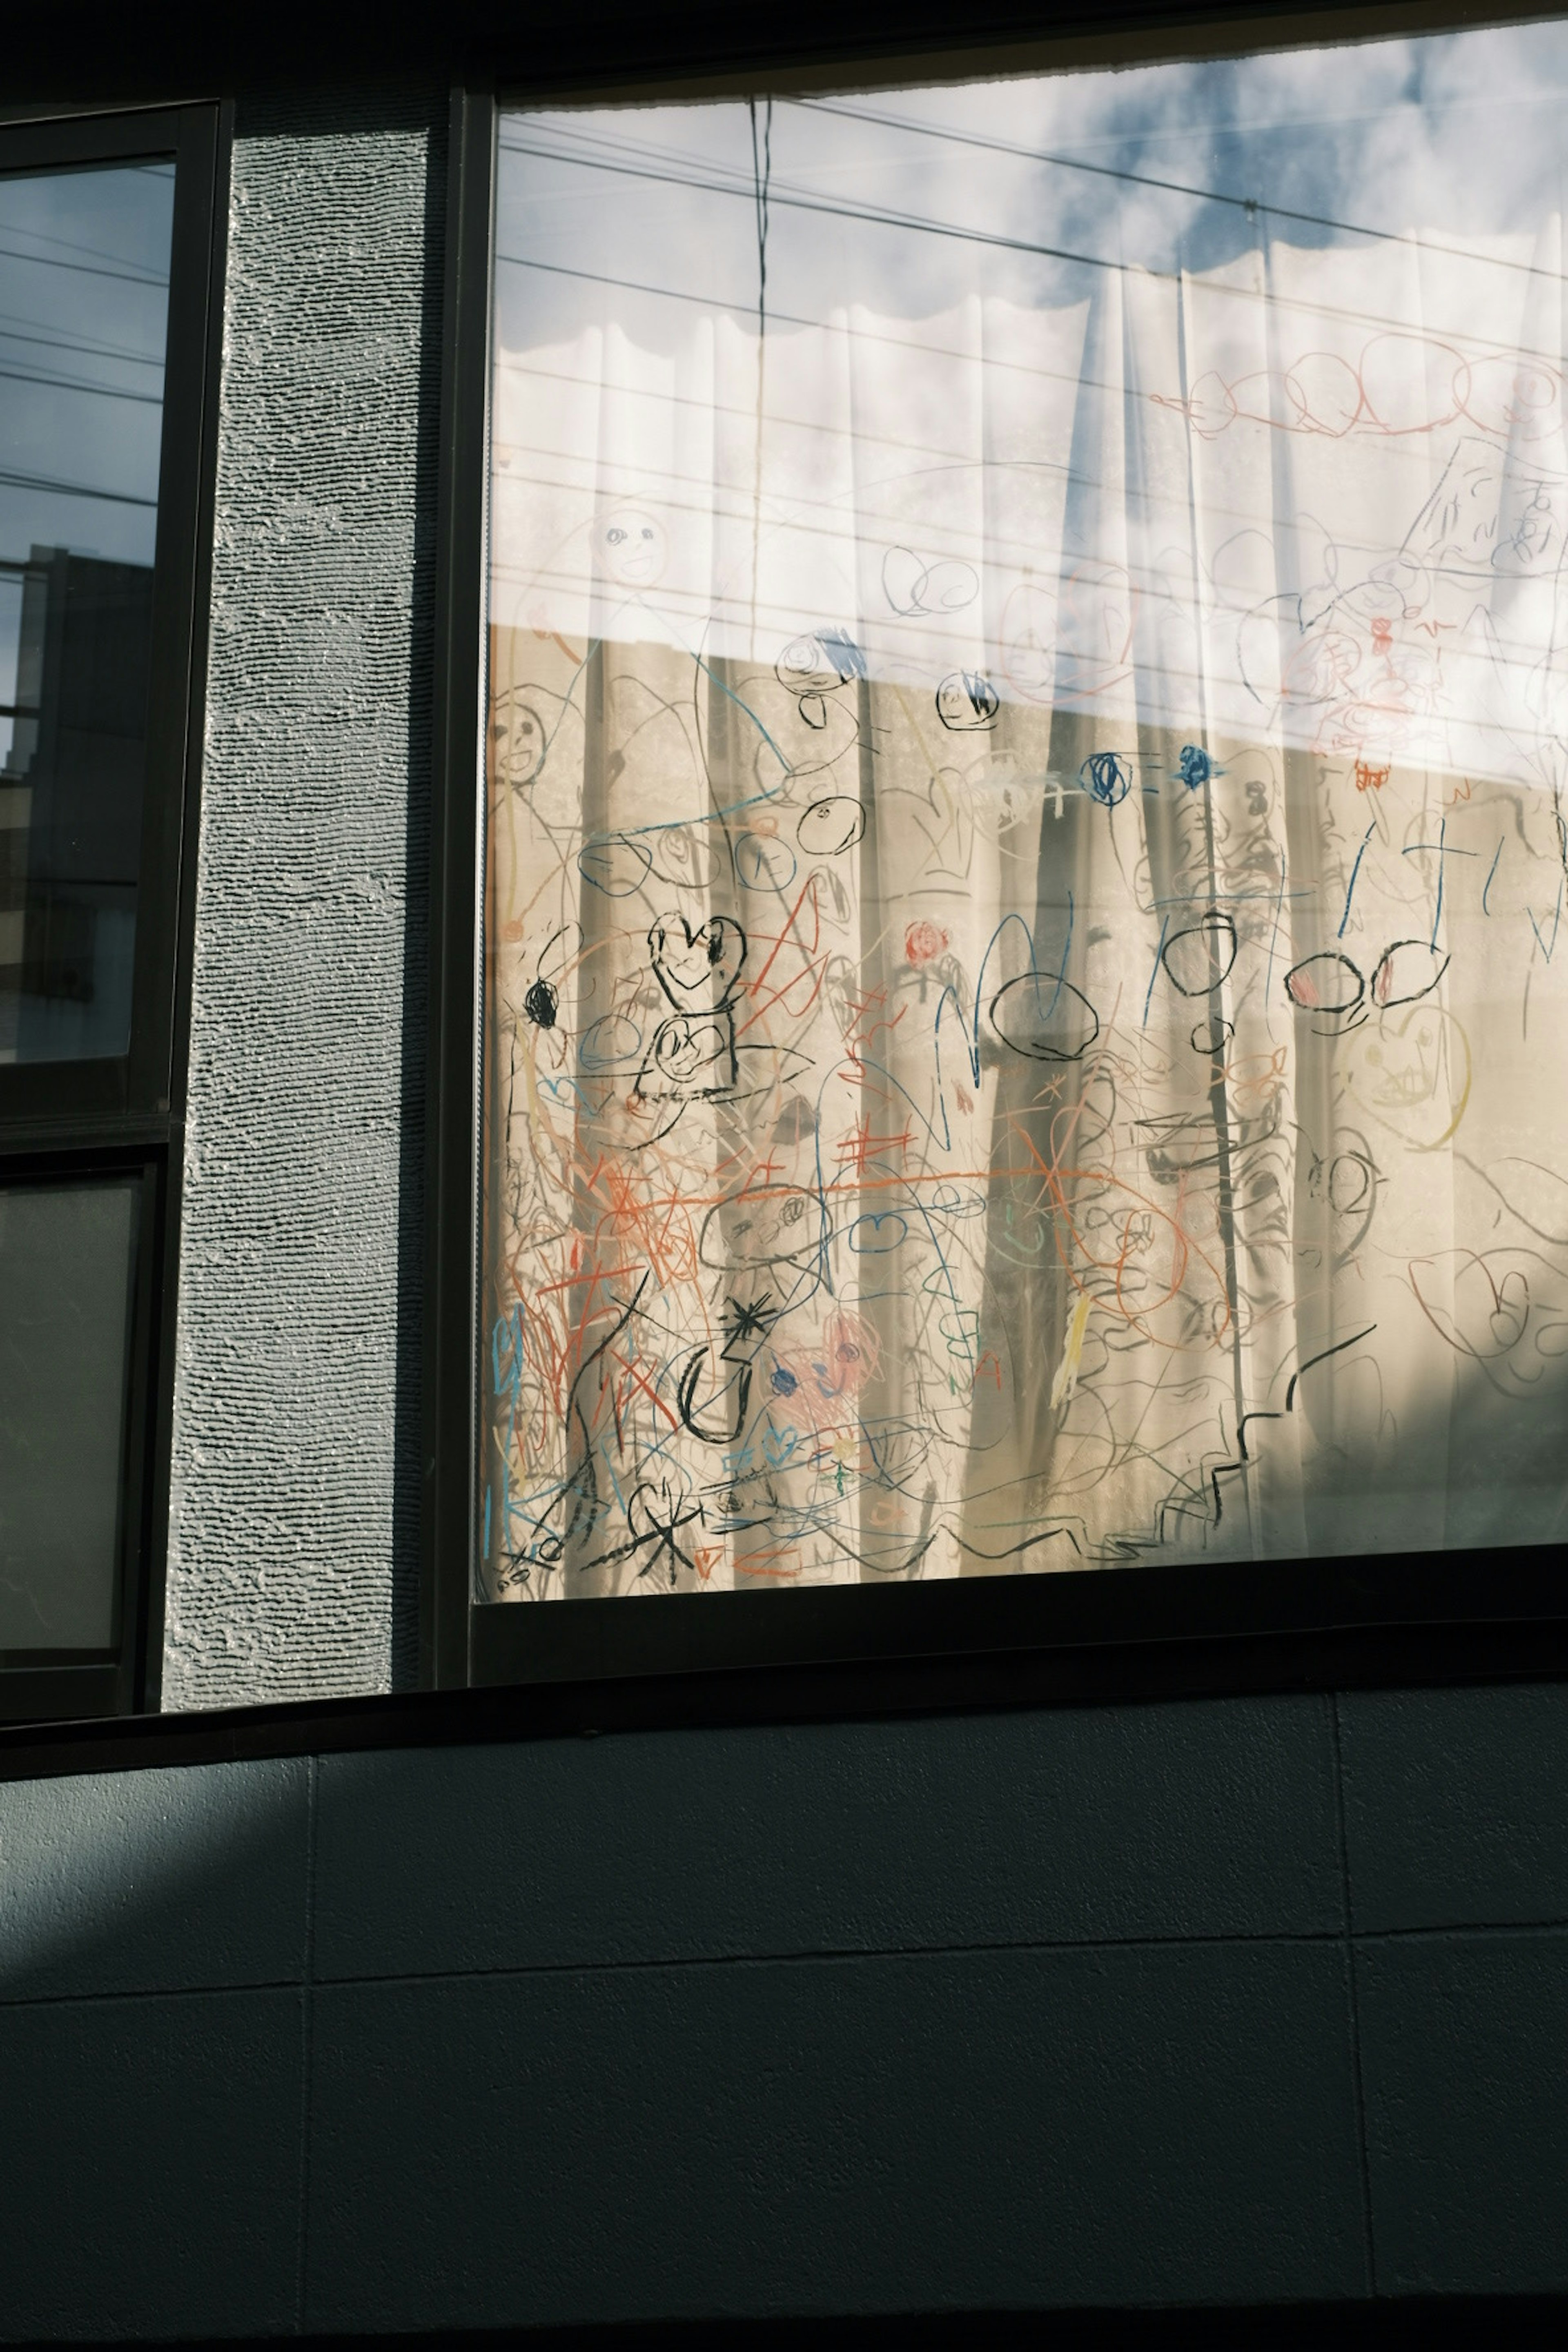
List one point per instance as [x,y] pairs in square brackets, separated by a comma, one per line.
[104,263]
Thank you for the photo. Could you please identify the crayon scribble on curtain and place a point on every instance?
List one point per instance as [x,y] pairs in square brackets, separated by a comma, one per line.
[1027,1012]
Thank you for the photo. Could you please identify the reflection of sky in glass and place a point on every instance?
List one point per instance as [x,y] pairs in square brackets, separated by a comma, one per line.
[1359,241]
[84,294]
[84,290]
[1027,189]
[84,298]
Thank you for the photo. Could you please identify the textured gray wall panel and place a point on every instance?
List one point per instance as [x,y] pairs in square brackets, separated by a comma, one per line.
[1186,2003]
[293,1525]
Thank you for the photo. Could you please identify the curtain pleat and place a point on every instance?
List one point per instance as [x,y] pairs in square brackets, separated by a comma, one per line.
[1024,1011]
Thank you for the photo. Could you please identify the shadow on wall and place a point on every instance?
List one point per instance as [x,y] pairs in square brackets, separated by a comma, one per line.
[579,2011]
[1019,2009]
[152,1938]
[161,1880]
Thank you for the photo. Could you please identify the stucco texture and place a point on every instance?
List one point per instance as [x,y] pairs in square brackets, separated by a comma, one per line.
[293,1533]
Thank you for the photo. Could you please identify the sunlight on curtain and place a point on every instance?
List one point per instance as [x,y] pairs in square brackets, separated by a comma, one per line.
[1029,708]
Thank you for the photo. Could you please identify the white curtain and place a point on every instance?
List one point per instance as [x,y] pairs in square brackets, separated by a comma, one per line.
[1025,1026]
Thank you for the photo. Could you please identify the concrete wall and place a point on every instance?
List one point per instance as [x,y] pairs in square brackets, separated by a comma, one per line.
[294,1533]
[1240,2002]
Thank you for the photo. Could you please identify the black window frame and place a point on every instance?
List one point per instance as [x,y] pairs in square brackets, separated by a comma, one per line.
[1096,1634]
[91,1119]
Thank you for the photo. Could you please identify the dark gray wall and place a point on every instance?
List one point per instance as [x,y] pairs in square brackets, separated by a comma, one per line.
[293,1531]
[1244,2000]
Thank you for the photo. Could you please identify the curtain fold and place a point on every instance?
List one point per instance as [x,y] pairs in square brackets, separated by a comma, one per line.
[1025,1021]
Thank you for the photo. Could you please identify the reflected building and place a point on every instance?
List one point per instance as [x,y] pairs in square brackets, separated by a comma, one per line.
[71,806]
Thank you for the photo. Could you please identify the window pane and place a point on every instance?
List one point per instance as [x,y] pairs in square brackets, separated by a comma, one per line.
[1025,1004]
[84,286]
[66,1257]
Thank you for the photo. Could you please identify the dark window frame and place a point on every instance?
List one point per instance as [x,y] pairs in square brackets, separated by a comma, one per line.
[1092,1635]
[88,1119]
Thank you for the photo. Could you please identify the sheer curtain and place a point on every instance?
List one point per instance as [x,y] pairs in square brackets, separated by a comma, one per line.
[1025,858]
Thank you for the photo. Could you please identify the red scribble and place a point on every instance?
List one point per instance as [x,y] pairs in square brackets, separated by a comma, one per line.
[855,1039]
[1069,1234]
[538,622]
[1398,383]
[1369,779]
[923,942]
[815,971]
[630,1368]
[809,891]
[859,1145]
[812,965]
[857,1007]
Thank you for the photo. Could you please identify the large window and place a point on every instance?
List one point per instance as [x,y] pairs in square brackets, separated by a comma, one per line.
[104,259]
[1024,842]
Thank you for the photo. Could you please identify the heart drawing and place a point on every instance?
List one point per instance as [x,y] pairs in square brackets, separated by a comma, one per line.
[698,969]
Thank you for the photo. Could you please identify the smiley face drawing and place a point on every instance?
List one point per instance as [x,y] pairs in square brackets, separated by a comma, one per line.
[1410,1072]
[518,739]
[630,547]
[968,702]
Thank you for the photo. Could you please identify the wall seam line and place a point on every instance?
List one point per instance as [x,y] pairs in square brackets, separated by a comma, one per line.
[307,2051]
[149,1992]
[832,1956]
[1352,1996]
[827,1955]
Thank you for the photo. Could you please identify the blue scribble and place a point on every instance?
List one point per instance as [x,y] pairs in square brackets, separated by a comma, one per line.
[1440,850]
[843,653]
[1107,778]
[1149,996]
[1355,869]
[1556,919]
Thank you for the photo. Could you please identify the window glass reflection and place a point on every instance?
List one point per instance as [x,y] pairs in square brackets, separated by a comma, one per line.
[1026,852]
[66,1264]
[84,277]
